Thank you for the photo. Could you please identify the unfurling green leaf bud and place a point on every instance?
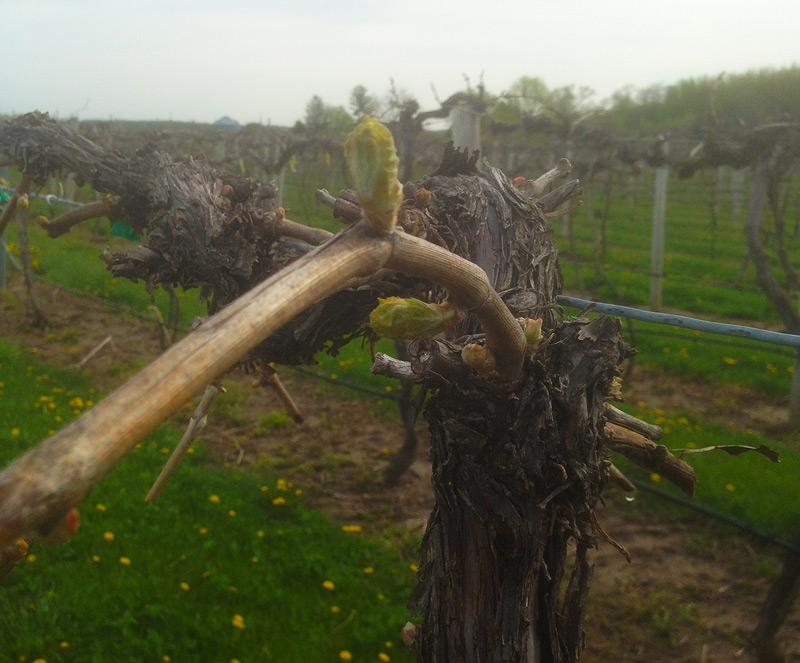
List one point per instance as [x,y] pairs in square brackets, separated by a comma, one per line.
[410,319]
[372,164]
[532,330]
[480,358]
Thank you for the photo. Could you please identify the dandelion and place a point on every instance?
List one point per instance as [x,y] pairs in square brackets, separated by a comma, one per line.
[351,528]
[384,657]
[278,501]
[281,485]
[264,489]
[730,487]
[260,534]
[108,536]
[101,507]
[655,478]
[381,597]
[164,450]
[31,558]
[14,432]
[184,586]
[328,585]
[388,644]
[238,622]
[125,561]
[254,559]
[413,567]
[345,655]
[166,659]
[298,492]
[95,558]
[335,609]
[63,644]
[369,570]
[730,361]
[231,589]
[203,530]
[231,513]
[387,388]
[334,376]
[214,499]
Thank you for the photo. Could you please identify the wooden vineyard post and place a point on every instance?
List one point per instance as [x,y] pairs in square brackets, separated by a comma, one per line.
[657,238]
[466,128]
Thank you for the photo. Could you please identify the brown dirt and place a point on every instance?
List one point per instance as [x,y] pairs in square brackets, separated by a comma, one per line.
[690,594]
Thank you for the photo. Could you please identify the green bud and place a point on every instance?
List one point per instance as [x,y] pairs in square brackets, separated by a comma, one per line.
[410,319]
[372,165]
[532,330]
[480,358]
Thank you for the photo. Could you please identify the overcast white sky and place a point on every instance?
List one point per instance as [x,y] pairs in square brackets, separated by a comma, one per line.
[262,60]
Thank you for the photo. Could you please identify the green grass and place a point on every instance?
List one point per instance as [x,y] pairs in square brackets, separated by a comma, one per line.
[748,487]
[252,550]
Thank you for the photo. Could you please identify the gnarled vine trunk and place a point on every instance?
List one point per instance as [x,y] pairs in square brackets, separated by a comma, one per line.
[518,462]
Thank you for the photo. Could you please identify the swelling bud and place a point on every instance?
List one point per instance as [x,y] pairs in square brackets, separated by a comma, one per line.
[372,165]
[481,359]
[410,319]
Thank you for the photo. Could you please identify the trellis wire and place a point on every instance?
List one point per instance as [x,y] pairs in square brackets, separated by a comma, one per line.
[739,331]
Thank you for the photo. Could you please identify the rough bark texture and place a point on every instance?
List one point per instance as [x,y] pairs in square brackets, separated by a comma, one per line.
[517,464]
[516,475]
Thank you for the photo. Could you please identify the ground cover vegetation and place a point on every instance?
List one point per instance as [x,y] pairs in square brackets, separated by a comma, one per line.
[703,263]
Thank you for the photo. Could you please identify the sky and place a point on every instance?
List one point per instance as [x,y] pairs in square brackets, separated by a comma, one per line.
[263,60]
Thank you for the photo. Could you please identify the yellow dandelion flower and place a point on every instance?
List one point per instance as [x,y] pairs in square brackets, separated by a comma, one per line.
[281,485]
[203,530]
[184,586]
[108,536]
[166,659]
[298,492]
[125,561]
[730,361]
[238,622]
[368,570]
[231,589]
[413,567]
[345,655]
[388,644]
[231,513]
[14,432]
[260,534]
[278,501]
[214,499]
[730,487]
[264,489]
[95,558]
[31,558]
[101,507]
[335,609]
[384,657]
[328,585]
[655,478]
[254,559]
[381,597]
[164,450]
[351,528]
[334,376]
[63,644]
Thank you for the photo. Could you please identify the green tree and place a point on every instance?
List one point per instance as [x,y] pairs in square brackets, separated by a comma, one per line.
[362,103]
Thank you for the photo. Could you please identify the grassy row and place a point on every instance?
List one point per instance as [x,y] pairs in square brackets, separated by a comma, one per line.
[166,581]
